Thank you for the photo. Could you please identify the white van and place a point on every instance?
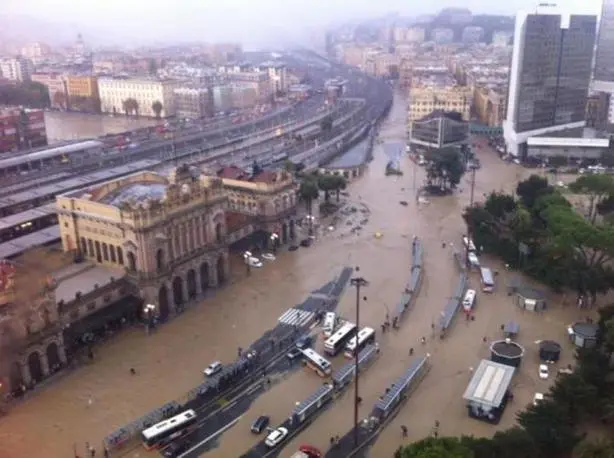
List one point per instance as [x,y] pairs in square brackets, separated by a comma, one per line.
[469,300]
[330,320]
[488,280]
[468,243]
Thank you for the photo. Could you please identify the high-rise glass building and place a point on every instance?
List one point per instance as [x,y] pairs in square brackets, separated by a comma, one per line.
[604,58]
[549,76]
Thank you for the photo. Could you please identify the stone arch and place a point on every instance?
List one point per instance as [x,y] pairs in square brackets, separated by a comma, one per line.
[219,233]
[53,355]
[131,261]
[35,366]
[221,270]
[15,376]
[284,233]
[192,286]
[178,298]
[292,230]
[204,276]
[163,308]
[160,259]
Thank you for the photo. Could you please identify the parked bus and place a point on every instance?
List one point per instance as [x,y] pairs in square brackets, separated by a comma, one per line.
[317,362]
[168,430]
[488,280]
[469,300]
[335,343]
[468,243]
[330,321]
[364,337]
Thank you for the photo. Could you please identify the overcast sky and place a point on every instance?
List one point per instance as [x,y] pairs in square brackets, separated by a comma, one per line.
[248,21]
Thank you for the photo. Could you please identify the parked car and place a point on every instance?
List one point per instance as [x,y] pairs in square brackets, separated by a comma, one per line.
[294,353]
[537,398]
[306,243]
[543,371]
[310,451]
[304,342]
[275,437]
[260,424]
[213,368]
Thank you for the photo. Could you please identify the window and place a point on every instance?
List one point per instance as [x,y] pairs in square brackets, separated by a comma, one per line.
[105,251]
[112,253]
[120,256]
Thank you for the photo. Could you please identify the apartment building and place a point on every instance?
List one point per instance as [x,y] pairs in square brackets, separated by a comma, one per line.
[21,129]
[82,91]
[278,76]
[56,85]
[424,99]
[115,91]
[260,81]
[17,68]
[194,102]
[490,105]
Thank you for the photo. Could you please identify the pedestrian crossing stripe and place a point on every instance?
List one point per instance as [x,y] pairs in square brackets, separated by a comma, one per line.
[296,317]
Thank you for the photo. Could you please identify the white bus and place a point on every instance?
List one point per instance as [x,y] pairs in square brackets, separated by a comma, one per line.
[335,343]
[317,362]
[168,430]
[469,300]
[364,337]
[330,321]
[488,281]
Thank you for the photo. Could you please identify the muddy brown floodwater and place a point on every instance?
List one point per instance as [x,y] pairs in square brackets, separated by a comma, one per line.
[170,362]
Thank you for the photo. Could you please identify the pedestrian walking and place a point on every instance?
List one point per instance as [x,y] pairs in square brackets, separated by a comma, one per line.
[411,351]
[404,430]
[423,340]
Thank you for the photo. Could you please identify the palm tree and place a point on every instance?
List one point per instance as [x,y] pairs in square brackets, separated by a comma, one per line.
[307,192]
[157,108]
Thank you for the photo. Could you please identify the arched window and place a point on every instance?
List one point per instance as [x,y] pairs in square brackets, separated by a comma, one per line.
[83,246]
[105,251]
[120,256]
[160,259]
[98,251]
[131,261]
[219,233]
[90,248]
[112,253]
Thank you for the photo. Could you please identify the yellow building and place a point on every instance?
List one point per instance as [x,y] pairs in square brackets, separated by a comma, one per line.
[426,99]
[82,92]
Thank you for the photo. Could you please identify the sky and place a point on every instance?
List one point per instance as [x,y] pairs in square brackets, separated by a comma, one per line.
[246,21]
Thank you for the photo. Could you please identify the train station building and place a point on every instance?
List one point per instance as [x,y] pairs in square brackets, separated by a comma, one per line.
[141,239]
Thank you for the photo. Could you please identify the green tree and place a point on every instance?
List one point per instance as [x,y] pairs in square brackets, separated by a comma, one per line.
[444,447]
[308,191]
[157,108]
[327,183]
[550,427]
[594,449]
[597,187]
[514,442]
[608,337]
[445,168]
[573,392]
[289,166]
[340,184]
[532,189]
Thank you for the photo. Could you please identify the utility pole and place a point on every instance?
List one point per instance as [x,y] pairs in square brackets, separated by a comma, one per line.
[357,282]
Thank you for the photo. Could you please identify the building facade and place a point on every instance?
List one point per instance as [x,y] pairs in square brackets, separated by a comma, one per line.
[21,129]
[549,76]
[115,91]
[82,91]
[426,99]
[604,57]
[438,130]
[278,76]
[56,84]
[16,69]
[194,102]
[490,105]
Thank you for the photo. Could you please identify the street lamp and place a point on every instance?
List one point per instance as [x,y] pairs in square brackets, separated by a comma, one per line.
[149,310]
[274,241]
[357,282]
[246,257]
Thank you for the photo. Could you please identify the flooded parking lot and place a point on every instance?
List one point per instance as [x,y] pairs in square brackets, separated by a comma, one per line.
[170,361]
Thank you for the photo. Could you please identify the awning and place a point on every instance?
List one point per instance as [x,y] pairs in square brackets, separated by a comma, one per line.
[122,308]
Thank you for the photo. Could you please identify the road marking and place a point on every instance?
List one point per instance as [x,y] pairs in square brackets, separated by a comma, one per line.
[212,436]
[230,405]
[295,317]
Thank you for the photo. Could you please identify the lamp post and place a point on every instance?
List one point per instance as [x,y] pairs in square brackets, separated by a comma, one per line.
[357,282]
[274,241]
[149,310]
[246,256]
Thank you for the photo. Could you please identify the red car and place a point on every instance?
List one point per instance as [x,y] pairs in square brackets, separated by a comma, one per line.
[310,451]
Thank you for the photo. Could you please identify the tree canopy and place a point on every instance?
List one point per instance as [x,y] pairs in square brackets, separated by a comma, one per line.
[445,168]
[445,447]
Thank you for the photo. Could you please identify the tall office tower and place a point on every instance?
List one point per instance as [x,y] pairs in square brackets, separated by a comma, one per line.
[549,76]
[604,58]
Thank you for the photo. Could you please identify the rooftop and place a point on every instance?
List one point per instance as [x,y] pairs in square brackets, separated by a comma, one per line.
[135,194]
[489,383]
[84,278]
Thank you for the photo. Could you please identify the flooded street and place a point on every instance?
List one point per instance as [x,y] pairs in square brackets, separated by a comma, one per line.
[63,126]
[170,362]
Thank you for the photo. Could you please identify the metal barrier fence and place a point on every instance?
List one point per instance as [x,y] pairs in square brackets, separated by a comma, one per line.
[413,285]
[449,312]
